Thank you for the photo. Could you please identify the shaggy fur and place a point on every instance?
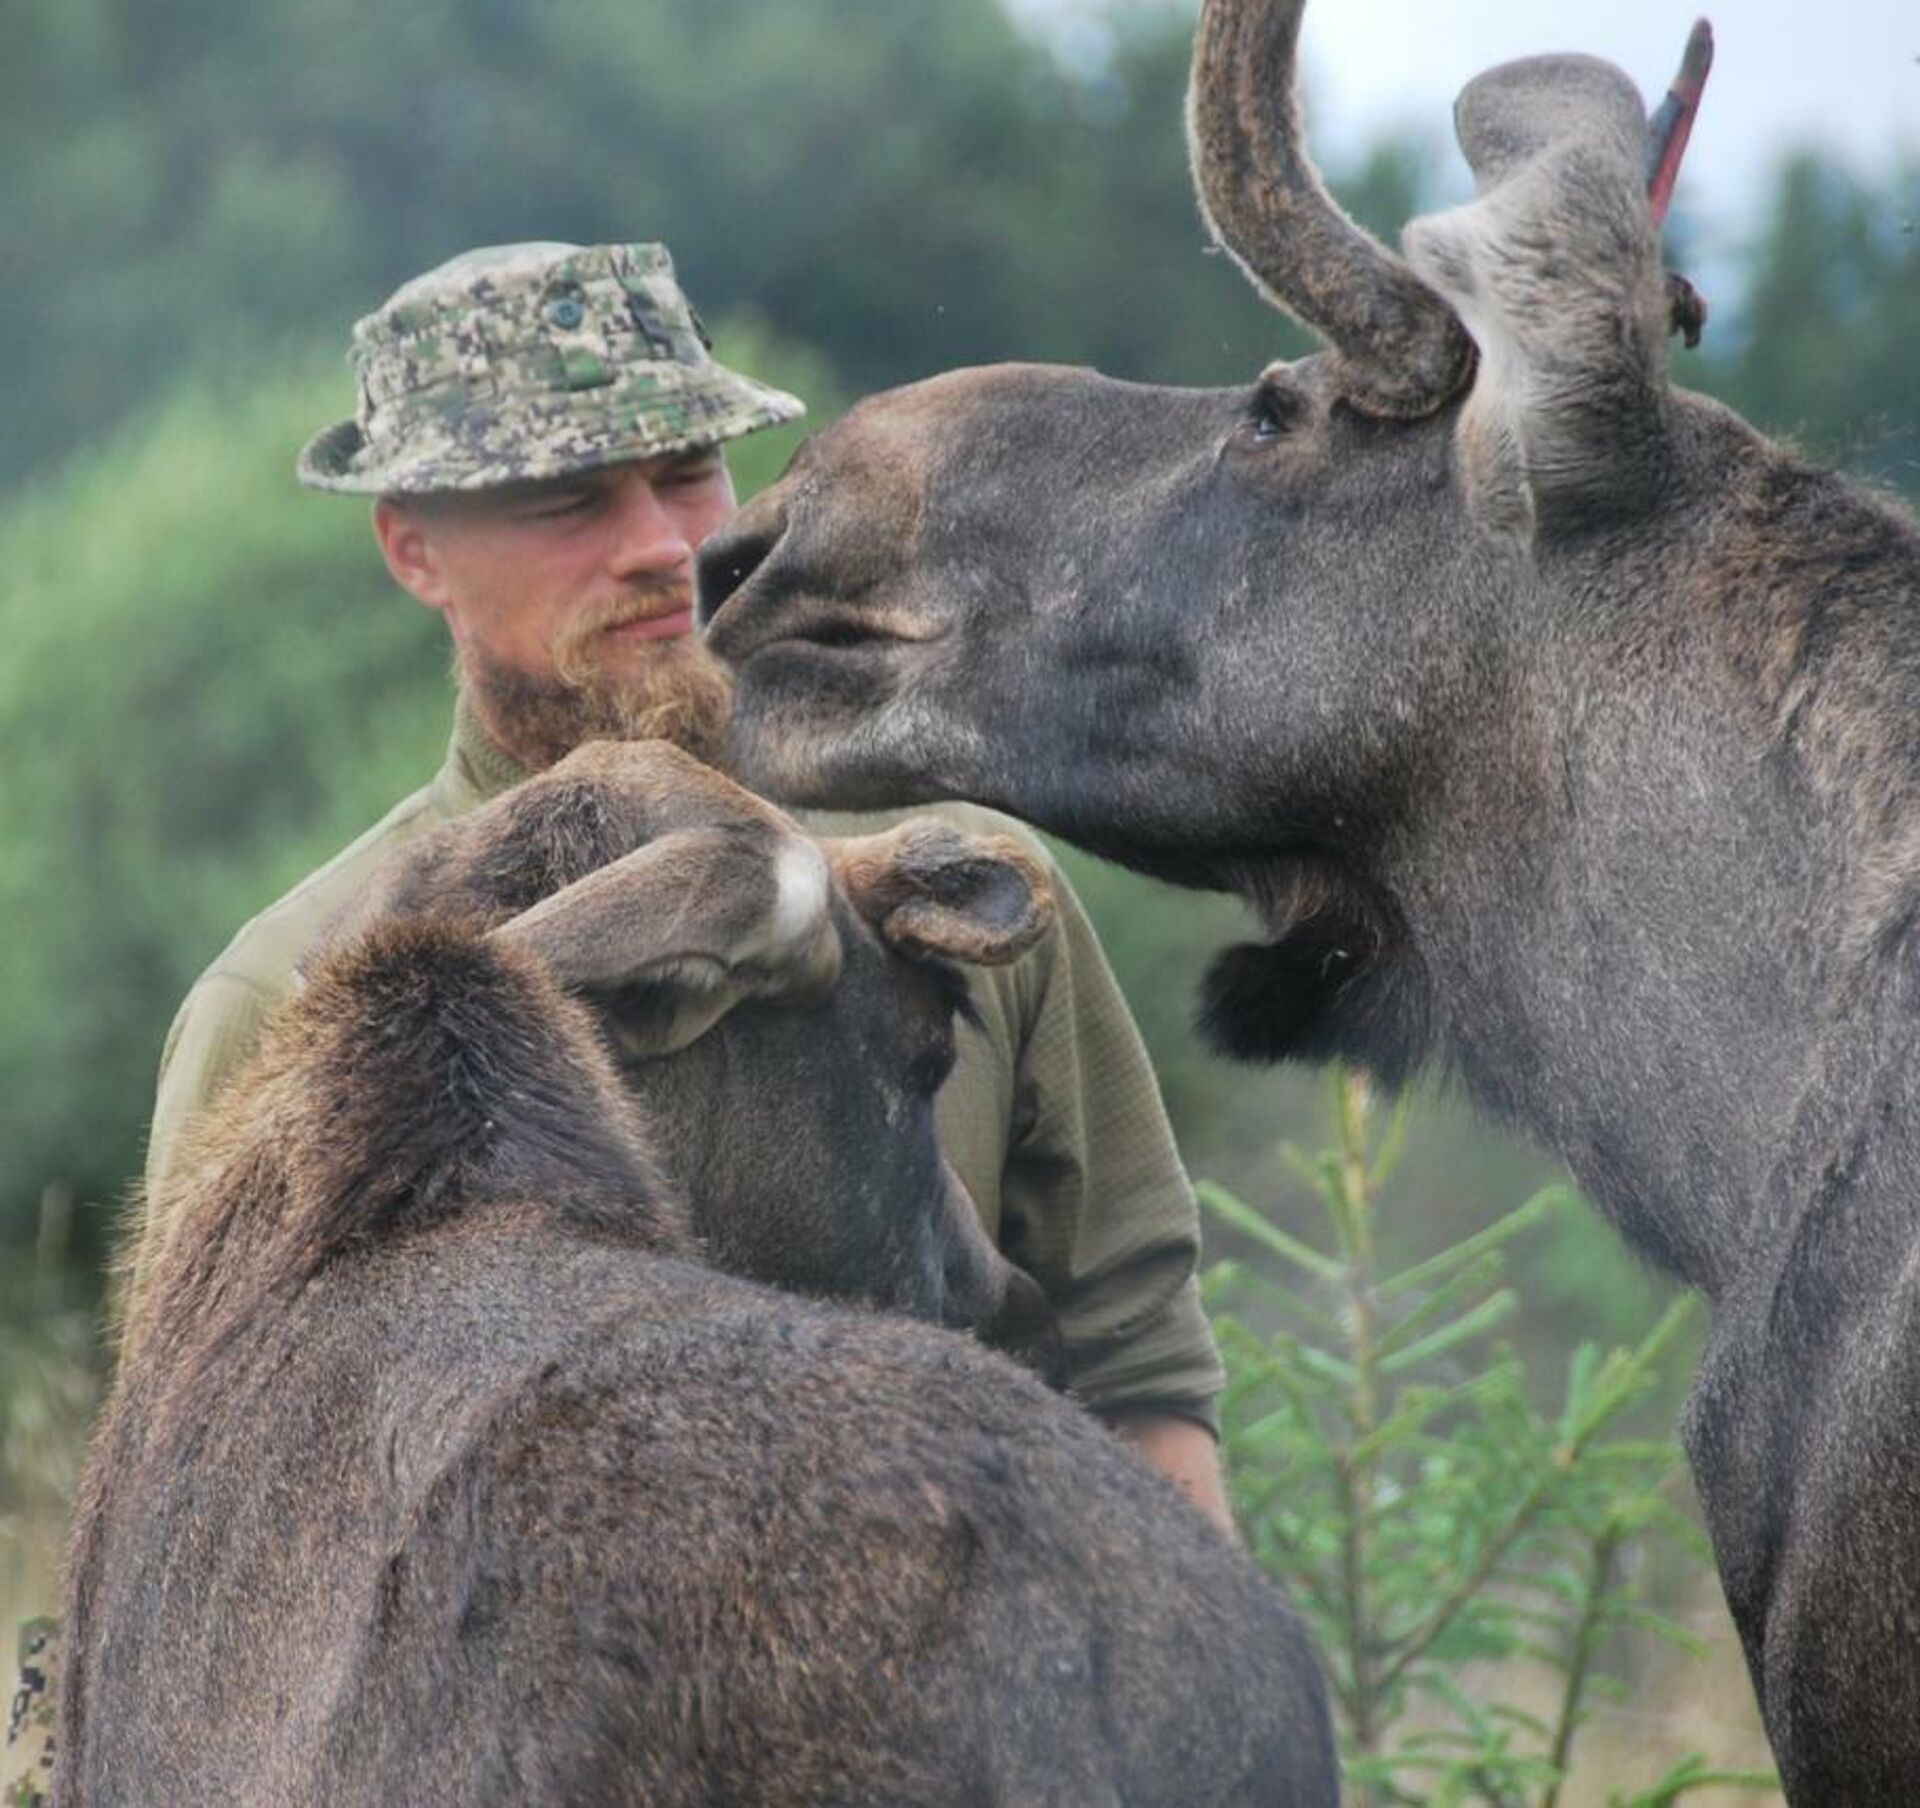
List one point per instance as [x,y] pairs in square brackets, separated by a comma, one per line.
[448,1469]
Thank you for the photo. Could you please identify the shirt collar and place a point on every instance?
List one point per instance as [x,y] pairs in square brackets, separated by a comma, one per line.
[475,768]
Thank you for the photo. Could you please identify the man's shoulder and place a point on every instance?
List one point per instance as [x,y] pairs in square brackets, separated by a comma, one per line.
[266,948]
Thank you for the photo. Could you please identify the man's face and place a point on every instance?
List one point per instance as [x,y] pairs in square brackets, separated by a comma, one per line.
[570,600]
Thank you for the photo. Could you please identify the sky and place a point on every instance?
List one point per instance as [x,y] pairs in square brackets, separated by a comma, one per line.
[1843,72]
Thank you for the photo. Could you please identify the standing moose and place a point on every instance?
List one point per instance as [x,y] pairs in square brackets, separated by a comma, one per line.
[1557,727]
[453,1461]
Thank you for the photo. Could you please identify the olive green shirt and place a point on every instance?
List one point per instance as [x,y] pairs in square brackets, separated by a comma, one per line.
[1051,1117]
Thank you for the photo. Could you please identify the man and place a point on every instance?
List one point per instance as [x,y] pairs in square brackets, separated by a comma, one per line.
[541,426]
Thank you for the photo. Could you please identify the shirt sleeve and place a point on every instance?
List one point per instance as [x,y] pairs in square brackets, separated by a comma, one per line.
[1095,1203]
[216,1028]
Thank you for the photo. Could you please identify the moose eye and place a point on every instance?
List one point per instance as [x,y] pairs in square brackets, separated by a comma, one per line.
[1275,410]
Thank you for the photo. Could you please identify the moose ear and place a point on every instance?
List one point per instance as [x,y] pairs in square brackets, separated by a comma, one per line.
[1554,270]
[668,939]
[929,889]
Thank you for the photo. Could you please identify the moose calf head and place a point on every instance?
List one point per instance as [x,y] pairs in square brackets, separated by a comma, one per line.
[779,1011]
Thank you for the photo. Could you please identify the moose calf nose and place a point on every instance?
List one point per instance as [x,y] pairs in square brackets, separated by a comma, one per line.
[732,555]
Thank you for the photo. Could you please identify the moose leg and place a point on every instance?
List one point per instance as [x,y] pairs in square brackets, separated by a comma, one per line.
[1801,1431]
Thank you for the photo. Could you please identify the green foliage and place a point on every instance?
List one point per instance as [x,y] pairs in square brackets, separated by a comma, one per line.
[210,686]
[906,187]
[1392,1471]
[1826,347]
[142,821]
[49,1386]
[748,341]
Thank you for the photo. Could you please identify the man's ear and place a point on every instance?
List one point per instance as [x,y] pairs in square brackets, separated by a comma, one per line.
[929,889]
[406,543]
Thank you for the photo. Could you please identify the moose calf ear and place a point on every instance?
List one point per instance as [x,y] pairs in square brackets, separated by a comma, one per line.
[929,889]
[667,939]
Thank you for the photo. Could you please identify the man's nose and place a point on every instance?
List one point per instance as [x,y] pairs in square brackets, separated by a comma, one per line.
[649,540]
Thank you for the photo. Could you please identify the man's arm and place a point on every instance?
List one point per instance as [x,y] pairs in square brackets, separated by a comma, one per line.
[1184,1451]
[1096,1205]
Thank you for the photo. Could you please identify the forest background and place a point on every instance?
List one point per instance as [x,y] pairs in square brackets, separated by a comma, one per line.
[206,681]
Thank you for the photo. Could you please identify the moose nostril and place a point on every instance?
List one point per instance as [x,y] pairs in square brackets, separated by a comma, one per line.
[728,559]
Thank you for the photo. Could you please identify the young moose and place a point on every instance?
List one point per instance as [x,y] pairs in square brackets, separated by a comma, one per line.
[447,1466]
[1556,726]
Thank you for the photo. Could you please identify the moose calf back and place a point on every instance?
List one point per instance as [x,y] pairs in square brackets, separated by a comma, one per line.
[443,1469]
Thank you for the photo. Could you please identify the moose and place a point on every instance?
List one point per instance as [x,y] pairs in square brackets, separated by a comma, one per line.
[472,1444]
[1558,729]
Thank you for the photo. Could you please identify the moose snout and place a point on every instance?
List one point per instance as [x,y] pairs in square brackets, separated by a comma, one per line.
[731,556]
[1001,1304]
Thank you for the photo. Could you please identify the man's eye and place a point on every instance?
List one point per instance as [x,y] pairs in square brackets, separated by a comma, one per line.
[680,475]
[571,502]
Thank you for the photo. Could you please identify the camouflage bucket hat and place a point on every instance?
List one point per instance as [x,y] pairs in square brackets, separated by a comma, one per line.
[530,361]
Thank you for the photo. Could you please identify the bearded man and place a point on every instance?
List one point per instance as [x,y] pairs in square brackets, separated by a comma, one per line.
[542,428]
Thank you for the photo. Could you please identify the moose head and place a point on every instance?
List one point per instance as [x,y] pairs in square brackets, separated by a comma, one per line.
[769,1016]
[1555,725]
[1168,588]
[1338,641]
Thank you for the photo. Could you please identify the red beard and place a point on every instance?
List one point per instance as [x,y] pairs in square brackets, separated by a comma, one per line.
[677,693]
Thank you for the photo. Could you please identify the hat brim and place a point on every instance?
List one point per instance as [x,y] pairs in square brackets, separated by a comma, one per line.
[572,431]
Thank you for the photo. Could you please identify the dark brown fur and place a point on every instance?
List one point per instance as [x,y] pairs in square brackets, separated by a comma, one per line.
[446,1468]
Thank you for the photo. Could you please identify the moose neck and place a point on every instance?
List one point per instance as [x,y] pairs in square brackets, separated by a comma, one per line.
[1636,970]
[1650,911]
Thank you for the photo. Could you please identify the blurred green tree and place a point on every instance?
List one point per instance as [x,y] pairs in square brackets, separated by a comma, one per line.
[906,188]
[1392,1466]
[1827,344]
